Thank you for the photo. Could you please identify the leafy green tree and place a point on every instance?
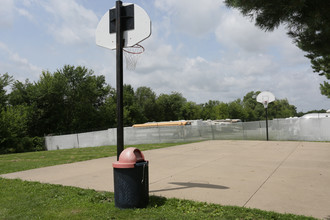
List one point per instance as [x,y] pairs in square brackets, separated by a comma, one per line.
[53,108]
[13,129]
[21,93]
[321,65]
[236,110]
[281,109]
[108,111]
[254,110]
[191,111]
[208,111]
[146,101]
[67,101]
[278,109]
[14,123]
[308,24]
[214,109]
[85,94]
[170,106]
[222,111]
[132,113]
[5,81]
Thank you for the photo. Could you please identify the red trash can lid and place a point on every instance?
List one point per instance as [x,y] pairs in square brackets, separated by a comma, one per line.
[128,158]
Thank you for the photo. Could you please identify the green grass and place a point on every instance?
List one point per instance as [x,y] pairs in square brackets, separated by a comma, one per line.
[25,161]
[31,200]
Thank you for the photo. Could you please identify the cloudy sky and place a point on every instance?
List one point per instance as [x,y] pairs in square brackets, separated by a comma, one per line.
[198,48]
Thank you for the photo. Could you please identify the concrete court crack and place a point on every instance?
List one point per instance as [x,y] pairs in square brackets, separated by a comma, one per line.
[285,159]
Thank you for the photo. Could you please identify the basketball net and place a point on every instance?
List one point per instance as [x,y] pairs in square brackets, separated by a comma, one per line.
[132,55]
[265,103]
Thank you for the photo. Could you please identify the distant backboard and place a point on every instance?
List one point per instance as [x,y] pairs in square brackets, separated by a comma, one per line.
[265,98]
[141,30]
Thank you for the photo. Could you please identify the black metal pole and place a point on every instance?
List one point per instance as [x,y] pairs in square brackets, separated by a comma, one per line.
[119,79]
[267,122]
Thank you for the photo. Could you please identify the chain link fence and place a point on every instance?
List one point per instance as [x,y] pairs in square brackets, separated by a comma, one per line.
[296,129]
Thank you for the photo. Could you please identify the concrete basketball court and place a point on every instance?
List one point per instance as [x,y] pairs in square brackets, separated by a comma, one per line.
[286,177]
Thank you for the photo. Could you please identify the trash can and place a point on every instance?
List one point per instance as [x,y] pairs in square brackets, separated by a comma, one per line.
[131,179]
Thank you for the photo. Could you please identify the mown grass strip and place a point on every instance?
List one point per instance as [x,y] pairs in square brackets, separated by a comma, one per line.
[25,161]
[31,200]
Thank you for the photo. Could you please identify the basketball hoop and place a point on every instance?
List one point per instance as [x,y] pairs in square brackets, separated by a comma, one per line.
[132,55]
[265,98]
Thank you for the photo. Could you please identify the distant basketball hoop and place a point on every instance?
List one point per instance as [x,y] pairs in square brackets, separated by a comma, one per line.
[265,98]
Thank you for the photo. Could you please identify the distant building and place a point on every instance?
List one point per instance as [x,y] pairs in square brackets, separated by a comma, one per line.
[162,124]
[317,115]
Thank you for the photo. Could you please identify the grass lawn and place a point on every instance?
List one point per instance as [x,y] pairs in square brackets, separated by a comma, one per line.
[32,200]
[10,163]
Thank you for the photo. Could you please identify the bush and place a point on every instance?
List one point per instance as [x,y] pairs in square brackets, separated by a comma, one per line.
[20,145]
[14,136]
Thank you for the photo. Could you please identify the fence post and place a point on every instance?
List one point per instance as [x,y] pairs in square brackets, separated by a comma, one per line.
[212,132]
[183,133]
[78,139]
[243,131]
[159,134]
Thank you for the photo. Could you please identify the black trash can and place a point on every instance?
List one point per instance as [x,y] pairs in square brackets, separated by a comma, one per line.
[131,179]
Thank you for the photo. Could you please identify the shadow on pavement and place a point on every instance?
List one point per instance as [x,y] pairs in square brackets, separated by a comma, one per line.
[186,185]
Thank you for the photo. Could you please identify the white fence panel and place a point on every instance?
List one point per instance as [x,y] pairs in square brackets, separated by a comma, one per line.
[301,129]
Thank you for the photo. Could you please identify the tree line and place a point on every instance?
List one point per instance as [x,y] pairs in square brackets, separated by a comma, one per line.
[74,99]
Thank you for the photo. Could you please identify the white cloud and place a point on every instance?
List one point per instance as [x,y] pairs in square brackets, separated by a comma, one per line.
[73,23]
[28,3]
[6,13]
[237,32]
[25,13]
[18,66]
[9,12]
[192,16]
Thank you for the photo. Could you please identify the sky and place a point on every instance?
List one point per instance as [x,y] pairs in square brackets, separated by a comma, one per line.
[201,49]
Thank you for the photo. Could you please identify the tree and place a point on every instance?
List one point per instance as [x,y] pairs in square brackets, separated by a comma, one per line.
[222,111]
[191,111]
[236,110]
[13,128]
[281,109]
[66,101]
[132,113]
[21,93]
[170,106]
[208,111]
[146,101]
[254,110]
[308,24]
[84,94]
[5,80]
[108,110]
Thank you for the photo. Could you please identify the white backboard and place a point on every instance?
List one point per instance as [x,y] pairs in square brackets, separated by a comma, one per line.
[265,98]
[141,31]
